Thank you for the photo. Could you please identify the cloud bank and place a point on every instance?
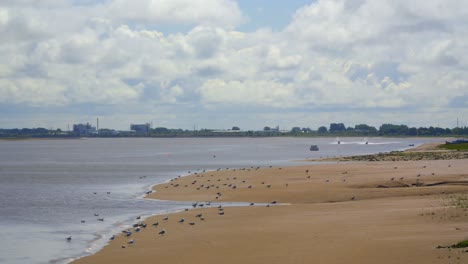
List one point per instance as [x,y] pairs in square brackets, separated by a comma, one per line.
[182,62]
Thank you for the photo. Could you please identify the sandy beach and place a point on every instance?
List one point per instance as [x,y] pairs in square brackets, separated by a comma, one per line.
[353,212]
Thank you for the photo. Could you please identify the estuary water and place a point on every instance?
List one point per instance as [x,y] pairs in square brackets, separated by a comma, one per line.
[52,189]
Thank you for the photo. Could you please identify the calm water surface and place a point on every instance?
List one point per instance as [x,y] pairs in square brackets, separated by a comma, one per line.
[48,186]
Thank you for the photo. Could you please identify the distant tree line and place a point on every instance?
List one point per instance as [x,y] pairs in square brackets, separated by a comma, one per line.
[32,132]
[340,129]
[335,129]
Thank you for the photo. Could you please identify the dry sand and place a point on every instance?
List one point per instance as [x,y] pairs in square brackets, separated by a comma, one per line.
[374,212]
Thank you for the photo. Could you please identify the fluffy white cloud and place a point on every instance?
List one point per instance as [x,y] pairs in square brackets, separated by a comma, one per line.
[266,93]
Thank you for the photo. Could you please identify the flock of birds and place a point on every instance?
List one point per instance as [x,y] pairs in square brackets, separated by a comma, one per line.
[139,226]
[232,183]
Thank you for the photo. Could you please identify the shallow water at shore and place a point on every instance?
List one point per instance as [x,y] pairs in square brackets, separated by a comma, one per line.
[48,187]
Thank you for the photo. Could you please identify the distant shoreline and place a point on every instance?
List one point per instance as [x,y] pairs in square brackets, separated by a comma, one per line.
[216,136]
[36,138]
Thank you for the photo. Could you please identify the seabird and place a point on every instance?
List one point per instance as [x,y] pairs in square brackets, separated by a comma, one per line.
[166,218]
[101,219]
[156,224]
[191,223]
[112,237]
[181,220]
[131,241]
[162,232]
[199,215]
[69,238]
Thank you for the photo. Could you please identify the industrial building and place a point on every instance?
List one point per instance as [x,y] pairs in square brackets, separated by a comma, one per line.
[84,129]
[140,128]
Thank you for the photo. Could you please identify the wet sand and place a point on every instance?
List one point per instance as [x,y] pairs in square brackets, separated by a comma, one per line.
[361,212]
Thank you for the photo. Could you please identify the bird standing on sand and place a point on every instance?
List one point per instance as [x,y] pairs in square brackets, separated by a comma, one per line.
[181,220]
[162,232]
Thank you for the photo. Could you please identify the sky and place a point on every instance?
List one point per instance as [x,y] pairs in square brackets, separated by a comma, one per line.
[223,63]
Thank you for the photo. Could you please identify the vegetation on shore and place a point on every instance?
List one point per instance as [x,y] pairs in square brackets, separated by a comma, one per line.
[461,244]
[406,156]
[334,130]
[459,146]
[459,201]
